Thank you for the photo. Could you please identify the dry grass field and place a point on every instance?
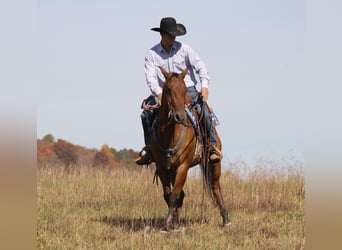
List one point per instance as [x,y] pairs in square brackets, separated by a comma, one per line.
[89,208]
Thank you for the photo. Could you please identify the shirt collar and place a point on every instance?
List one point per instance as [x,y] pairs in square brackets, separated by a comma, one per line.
[174,47]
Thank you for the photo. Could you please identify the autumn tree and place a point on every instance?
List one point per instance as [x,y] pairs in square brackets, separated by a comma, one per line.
[126,154]
[85,156]
[100,159]
[108,152]
[66,152]
[105,157]
[44,152]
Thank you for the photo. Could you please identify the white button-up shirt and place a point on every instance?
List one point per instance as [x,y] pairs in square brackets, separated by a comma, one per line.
[180,57]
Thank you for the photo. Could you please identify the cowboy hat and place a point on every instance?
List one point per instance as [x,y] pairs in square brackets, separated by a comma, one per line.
[169,25]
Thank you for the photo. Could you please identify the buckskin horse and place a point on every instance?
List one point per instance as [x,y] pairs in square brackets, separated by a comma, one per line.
[175,148]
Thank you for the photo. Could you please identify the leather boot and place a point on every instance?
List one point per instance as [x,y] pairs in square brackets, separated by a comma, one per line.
[215,155]
[144,159]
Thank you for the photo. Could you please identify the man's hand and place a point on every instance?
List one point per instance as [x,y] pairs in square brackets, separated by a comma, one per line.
[204,93]
[148,107]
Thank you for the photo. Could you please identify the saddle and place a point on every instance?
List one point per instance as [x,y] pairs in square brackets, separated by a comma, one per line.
[200,131]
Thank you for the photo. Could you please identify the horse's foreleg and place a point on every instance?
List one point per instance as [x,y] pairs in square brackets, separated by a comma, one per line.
[167,194]
[172,215]
[216,188]
[176,197]
[166,182]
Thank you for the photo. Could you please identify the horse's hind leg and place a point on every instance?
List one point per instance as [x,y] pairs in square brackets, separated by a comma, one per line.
[216,189]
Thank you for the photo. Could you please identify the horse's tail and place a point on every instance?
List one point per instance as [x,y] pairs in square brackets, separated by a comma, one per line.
[208,181]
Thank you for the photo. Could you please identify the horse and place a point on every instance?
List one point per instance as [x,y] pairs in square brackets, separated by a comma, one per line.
[175,149]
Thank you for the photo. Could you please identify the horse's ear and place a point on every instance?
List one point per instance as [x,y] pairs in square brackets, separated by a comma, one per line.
[165,73]
[185,71]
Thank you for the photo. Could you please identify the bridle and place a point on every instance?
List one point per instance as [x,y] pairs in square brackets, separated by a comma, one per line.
[172,117]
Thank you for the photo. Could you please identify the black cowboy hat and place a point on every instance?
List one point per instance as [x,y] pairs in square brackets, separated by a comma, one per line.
[169,25]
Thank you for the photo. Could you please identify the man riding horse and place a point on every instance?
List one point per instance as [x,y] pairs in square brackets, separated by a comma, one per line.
[175,56]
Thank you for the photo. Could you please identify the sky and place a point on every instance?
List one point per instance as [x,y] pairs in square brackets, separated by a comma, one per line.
[90,71]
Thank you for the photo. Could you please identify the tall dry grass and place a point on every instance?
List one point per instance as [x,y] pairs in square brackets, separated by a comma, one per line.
[91,208]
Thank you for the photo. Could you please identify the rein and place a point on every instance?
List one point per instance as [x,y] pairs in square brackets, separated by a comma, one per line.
[170,152]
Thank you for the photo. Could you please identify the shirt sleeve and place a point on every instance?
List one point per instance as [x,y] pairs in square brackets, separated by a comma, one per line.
[151,74]
[199,67]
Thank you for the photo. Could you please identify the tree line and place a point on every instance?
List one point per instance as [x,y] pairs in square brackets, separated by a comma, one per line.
[52,152]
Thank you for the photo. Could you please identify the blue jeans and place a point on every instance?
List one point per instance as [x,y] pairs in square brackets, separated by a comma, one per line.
[206,122]
[147,118]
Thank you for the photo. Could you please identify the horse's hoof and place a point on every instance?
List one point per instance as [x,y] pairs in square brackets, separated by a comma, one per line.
[226,221]
[227,224]
[165,230]
[171,231]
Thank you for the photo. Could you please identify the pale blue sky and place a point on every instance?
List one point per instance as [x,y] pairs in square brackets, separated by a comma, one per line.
[77,66]
[91,77]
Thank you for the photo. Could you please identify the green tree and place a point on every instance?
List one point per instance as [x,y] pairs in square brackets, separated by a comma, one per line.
[49,138]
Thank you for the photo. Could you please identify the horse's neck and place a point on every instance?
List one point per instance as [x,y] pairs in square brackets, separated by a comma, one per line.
[163,115]
[167,129]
